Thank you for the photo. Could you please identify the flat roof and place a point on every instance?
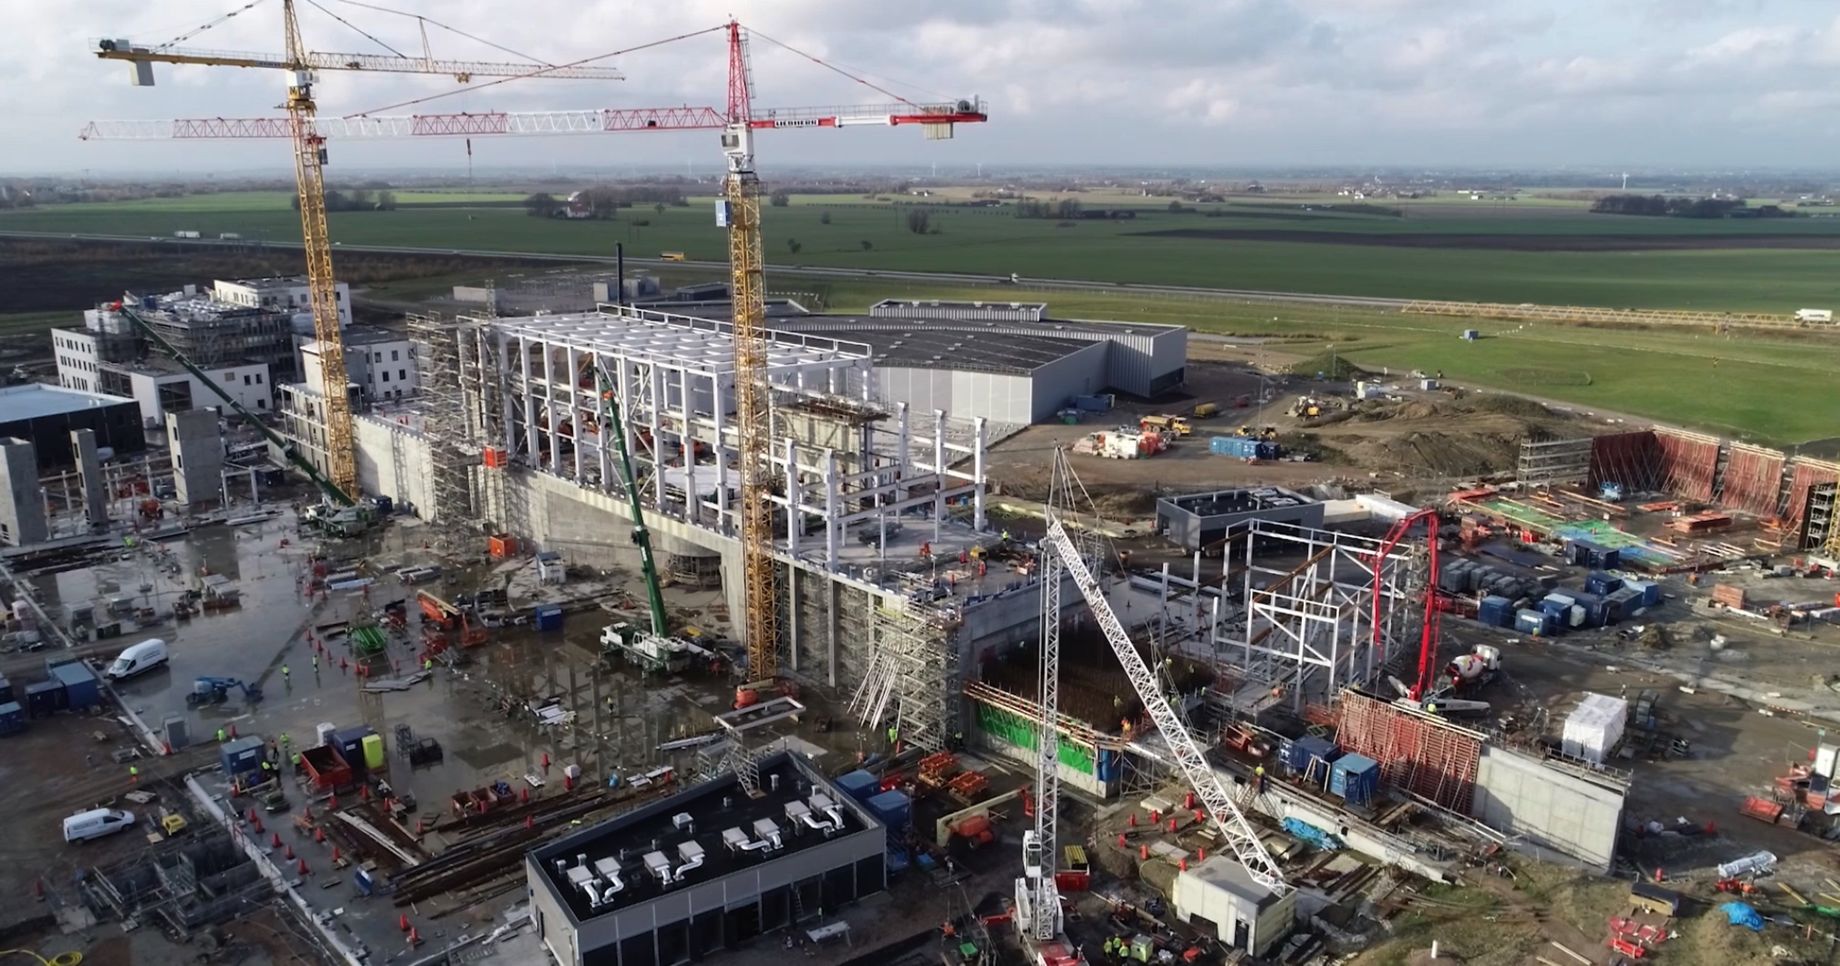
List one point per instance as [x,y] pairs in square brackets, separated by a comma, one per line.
[1238,500]
[1224,872]
[38,399]
[934,344]
[699,343]
[361,335]
[714,809]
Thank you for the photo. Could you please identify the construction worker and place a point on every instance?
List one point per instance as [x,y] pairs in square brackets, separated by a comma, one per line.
[285,678]
[295,761]
[283,740]
[316,664]
[1258,774]
[134,774]
[428,664]
[894,735]
[220,736]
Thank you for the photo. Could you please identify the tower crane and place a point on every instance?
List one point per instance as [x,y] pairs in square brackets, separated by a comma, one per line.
[1226,817]
[310,178]
[738,212]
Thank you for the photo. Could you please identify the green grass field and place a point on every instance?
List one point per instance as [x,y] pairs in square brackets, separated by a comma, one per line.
[993,241]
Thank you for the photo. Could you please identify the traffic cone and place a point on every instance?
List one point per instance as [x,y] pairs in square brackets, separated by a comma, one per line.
[302,867]
[1201,855]
[524,794]
[1156,816]
[1133,820]
[1121,840]
[1143,853]
[332,802]
[530,821]
[546,761]
[402,922]
[38,889]
[1188,800]
[255,824]
[275,842]
[415,937]
[167,747]
[1172,825]
[1182,865]
[418,826]
[364,793]
[568,783]
[335,855]
[233,729]
[319,834]
[1200,816]
[289,854]
[252,815]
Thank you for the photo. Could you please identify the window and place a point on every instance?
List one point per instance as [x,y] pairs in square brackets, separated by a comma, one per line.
[395,355]
[247,381]
[376,357]
[261,404]
[258,379]
[386,375]
[229,377]
[402,375]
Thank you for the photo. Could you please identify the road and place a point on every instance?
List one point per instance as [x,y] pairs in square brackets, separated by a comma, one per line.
[810,271]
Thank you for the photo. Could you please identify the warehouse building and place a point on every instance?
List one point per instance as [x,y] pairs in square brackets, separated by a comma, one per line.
[44,416]
[708,868]
[1197,520]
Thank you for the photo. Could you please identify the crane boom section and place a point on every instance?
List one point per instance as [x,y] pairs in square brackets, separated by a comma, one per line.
[1241,837]
[326,60]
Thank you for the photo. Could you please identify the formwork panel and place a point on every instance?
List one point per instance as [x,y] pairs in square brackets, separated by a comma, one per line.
[1416,752]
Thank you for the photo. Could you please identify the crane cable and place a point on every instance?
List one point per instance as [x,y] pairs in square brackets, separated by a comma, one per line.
[360,30]
[447,27]
[536,73]
[195,31]
[832,67]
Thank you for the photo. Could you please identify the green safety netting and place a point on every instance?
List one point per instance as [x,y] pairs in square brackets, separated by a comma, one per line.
[1014,729]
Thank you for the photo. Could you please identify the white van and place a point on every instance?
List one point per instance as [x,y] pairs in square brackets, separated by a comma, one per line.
[138,659]
[96,823]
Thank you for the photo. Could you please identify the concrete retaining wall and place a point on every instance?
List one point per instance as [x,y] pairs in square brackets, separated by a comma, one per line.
[1569,813]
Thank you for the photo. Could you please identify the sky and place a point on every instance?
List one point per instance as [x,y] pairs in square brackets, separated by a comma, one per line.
[1575,84]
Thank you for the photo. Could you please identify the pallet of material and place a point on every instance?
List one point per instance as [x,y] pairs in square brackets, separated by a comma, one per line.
[1729,596]
[1659,506]
[1700,522]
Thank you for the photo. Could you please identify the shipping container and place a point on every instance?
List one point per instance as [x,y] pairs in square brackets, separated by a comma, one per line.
[1530,621]
[44,699]
[1354,779]
[1496,611]
[239,755]
[350,745]
[1598,582]
[81,689]
[1307,749]
[893,808]
[549,617]
[6,689]
[859,785]
[12,718]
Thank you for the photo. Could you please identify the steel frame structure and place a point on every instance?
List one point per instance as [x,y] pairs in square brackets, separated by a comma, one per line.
[675,376]
[1304,632]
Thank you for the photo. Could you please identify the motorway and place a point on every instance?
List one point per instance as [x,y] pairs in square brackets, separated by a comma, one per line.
[811,271]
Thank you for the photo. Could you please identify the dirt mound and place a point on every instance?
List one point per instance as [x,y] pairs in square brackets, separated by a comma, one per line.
[1411,409]
[1510,406]
[1333,366]
[1444,453]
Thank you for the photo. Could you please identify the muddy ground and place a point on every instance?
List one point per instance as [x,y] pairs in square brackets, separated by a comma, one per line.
[1425,442]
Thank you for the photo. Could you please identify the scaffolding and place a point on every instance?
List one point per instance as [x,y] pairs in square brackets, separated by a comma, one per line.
[1554,461]
[452,452]
[913,662]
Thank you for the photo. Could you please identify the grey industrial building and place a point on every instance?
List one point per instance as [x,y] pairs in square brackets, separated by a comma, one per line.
[45,415]
[706,869]
[1196,520]
[1007,362]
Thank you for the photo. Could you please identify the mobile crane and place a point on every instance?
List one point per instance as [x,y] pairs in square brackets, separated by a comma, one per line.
[641,535]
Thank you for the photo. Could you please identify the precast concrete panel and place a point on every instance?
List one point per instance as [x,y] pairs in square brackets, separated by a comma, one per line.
[1554,808]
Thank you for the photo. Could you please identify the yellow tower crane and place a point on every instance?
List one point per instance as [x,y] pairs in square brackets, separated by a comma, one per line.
[310,178]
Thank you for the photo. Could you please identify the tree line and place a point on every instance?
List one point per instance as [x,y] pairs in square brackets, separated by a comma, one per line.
[1660,206]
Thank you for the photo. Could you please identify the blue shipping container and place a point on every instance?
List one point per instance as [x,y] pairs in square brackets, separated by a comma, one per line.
[549,617]
[1530,621]
[12,718]
[240,755]
[1496,611]
[1354,779]
[44,699]
[1307,748]
[859,785]
[6,689]
[81,689]
[1593,608]
[1601,583]
[892,807]
[1241,447]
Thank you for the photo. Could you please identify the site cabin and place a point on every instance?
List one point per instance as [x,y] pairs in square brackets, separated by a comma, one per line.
[671,256]
[1814,315]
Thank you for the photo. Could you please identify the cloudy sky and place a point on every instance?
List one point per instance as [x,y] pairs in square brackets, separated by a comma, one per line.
[1526,83]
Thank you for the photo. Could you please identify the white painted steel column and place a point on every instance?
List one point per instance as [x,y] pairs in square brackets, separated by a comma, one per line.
[831,513]
[554,429]
[903,457]
[939,470]
[530,402]
[575,408]
[977,476]
[601,412]
[693,504]
[720,449]
[795,520]
[657,383]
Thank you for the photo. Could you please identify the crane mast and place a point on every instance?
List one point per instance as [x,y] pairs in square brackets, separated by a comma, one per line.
[1038,901]
[740,212]
[316,240]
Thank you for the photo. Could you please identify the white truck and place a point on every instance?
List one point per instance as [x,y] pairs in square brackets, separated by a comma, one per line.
[187,233]
[1814,315]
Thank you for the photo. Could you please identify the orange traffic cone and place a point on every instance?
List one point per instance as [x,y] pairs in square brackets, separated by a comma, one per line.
[402,922]
[1143,853]
[275,843]
[319,834]
[332,802]
[289,854]
[524,794]
[233,729]
[1201,855]
[530,821]
[335,855]
[364,793]
[415,937]
[255,824]
[1182,865]
[1121,840]
[301,869]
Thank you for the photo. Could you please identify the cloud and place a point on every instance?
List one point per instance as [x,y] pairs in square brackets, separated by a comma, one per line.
[1070,81]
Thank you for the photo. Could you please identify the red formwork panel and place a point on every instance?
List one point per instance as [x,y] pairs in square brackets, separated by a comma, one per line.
[1416,752]
[1752,480]
[1628,459]
[1806,475]
[1689,464]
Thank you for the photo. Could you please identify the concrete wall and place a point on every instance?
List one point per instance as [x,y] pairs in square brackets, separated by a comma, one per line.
[197,456]
[1567,812]
[249,385]
[393,462]
[22,502]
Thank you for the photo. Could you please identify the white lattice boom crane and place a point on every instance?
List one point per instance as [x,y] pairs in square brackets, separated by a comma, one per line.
[1239,834]
[310,179]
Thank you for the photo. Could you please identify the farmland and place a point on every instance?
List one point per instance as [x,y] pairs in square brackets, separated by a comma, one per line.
[1491,252]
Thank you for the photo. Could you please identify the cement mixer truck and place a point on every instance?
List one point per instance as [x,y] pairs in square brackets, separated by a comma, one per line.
[1475,669]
